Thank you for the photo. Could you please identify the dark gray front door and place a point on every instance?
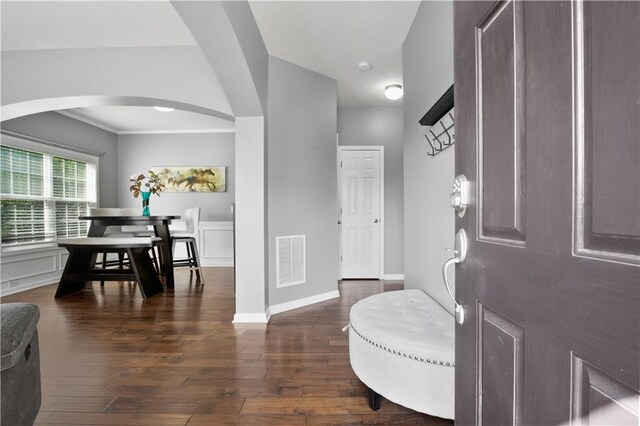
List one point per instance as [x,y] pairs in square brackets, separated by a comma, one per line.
[547,99]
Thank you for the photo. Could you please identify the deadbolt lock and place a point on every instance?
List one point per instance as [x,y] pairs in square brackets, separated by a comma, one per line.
[459,198]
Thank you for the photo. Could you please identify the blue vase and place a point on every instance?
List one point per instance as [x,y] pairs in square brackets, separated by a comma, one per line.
[146,195]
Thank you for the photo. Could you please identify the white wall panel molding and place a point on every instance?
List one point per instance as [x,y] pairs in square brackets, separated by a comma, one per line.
[62,259]
[24,266]
[26,269]
[215,244]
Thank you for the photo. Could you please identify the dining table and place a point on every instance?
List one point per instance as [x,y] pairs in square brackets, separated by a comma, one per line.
[160,223]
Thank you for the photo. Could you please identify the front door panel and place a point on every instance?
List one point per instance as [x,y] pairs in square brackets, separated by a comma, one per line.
[547,123]
[500,380]
[599,399]
[607,58]
[501,142]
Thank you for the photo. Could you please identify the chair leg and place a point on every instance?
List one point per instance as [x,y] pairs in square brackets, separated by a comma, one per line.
[154,259]
[156,256]
[189,257]
[193,259]
[196,260]
[104,266]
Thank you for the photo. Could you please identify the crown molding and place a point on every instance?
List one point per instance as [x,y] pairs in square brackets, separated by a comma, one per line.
[88,121]
[103,126]
[174,131]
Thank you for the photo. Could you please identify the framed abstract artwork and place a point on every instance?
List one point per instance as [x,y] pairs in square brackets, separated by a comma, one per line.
[193,179]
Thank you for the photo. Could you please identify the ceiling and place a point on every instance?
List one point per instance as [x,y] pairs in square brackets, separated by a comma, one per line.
[136,119]
[331,37]
[29,25]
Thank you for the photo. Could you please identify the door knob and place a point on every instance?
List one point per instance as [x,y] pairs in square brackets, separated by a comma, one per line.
[375,221]
[339,222]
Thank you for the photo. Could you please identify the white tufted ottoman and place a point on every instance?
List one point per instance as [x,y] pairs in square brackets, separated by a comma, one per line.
[401,345]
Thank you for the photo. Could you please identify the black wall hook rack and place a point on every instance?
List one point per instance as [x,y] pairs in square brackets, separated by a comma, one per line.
[445,137]
[441,120]
[439,109]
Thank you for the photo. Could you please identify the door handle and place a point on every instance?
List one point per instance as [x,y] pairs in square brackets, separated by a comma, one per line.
[339,222]
[459,255]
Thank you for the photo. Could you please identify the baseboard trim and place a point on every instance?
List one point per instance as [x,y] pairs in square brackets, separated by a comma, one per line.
[252,318]
[30,285]
[393,277]
[300,303]
[216,262]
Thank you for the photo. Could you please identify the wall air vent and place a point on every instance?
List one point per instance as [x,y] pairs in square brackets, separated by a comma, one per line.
[291,265]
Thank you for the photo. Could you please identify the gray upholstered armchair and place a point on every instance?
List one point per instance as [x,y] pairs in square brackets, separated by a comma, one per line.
[20,366]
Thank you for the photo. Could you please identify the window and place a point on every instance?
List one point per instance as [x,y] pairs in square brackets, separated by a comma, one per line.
[43,191]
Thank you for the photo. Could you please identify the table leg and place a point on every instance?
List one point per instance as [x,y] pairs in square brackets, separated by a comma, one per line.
[162,231]
[148,281]
[95,230]
[79,262]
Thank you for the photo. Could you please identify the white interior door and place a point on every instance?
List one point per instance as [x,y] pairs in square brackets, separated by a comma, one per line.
[360,212]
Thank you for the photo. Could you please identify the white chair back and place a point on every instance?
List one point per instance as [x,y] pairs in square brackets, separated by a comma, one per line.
[192,221]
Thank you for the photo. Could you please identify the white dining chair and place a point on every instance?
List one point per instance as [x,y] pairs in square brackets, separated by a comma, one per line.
[189,236]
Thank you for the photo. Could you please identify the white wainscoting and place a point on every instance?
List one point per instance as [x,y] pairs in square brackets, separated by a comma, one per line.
[26,269]
[37,266]
[215,244]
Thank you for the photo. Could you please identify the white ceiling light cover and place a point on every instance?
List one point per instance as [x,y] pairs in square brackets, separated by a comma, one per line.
[393,91]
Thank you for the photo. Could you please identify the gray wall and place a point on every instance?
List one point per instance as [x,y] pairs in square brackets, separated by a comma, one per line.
[427,62]
[382,126]
[58,128]
[229,38]
[301,155]
[137,153]
[253,48]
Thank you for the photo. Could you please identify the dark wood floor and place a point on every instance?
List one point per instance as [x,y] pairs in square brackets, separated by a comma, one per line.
[108,357]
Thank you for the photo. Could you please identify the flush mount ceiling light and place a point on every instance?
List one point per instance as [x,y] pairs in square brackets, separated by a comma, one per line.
[364,66]
[163,109]
[393,91]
